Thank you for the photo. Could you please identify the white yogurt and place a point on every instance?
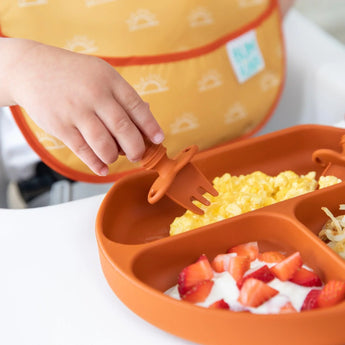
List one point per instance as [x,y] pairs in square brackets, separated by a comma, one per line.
[225,287]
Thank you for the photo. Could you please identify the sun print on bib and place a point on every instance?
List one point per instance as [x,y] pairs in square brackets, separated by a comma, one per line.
[186,122]
[81,44]
[210,80]
[141,19]
[49,142]
[92,3]
[200,16]
[235,113]
[269,81]
[27,3]
[152,83]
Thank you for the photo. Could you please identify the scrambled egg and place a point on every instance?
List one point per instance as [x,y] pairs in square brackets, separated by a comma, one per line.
[240,194]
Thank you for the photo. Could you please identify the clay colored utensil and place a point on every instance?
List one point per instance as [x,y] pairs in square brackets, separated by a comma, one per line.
[326,157]
[178,178]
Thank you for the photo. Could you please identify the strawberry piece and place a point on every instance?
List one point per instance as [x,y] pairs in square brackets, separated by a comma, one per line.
[332,293]
[221,262]
[194,273]
[254,292]
[287,308]
[310,301]
[220,304]
[263,273]
[199,292]
[250,249]
[271,257]
[285,269]
[306,277]
[238,266]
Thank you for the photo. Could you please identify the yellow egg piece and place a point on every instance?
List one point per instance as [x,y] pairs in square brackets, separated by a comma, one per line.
[244,193]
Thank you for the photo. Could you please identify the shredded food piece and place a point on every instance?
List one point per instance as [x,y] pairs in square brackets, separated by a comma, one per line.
[333,231]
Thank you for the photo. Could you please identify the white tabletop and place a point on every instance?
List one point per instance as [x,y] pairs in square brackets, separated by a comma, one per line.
[52,288]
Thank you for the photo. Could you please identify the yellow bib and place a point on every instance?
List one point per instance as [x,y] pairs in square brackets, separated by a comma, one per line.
[211,70]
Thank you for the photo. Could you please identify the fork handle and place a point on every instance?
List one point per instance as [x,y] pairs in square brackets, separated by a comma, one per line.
[326,156]
[156,159]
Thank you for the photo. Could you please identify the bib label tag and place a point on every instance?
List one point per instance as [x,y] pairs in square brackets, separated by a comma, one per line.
[245,56]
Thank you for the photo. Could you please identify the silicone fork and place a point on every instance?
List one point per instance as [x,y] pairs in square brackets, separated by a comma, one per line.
[178,178]
[326,157]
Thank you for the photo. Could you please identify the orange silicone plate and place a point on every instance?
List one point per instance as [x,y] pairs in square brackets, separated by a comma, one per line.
[140,261]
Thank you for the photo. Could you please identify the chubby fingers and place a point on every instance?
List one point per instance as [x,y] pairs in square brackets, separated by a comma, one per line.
[87,148]
[122,129]
[118,125]
[128,119]
[138,110]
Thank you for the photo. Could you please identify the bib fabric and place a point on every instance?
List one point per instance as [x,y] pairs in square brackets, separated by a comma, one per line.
[212,71]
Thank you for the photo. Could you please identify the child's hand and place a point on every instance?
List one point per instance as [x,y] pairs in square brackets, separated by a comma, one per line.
[82,101]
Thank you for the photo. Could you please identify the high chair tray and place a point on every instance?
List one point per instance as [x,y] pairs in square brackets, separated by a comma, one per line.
[140,260]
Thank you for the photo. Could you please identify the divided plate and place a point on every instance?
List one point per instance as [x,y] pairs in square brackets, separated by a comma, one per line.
[140,260]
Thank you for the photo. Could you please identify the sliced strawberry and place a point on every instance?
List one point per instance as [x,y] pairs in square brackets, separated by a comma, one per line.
[194,273]
[310,301]
[285,269]
[287,308]
[254,292]
[306,277]
[220,304]
[221,262]
[332,293]
[263,273]
[250,249]
[271,257]
[238,266]
[199,292]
